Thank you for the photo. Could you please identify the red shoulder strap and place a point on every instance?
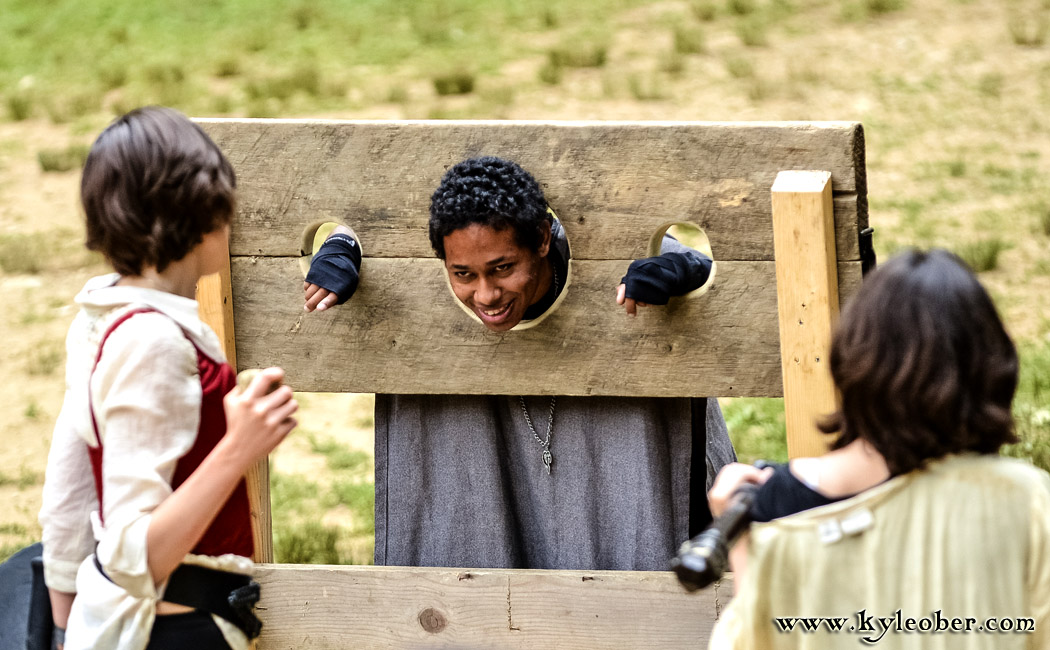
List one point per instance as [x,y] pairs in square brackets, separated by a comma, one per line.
[95,453]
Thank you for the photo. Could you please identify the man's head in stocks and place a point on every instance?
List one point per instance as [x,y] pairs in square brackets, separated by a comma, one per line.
[490,225]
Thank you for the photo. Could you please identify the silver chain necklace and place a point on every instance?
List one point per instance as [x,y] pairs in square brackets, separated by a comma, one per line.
[548,459]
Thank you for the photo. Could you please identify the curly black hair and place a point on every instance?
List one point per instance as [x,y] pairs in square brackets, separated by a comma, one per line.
[492,192]
[154,184]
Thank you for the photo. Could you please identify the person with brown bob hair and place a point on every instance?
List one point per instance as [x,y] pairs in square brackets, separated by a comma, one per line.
[146,529]
[923,364]
[912,515]
[153,185]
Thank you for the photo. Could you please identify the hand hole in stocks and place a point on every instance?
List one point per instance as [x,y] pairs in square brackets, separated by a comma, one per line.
[313,236]
[687,234]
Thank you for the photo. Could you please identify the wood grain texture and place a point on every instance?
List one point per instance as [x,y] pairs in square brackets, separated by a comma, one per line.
[258,483]
[322,608]
[215,308]
[808,300]
[215,305]
[402,332]
[612,184]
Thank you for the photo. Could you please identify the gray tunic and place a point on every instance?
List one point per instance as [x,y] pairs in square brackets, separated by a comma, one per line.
[460,479]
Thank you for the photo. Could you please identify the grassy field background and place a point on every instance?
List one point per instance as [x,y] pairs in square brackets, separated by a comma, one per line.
[953,95]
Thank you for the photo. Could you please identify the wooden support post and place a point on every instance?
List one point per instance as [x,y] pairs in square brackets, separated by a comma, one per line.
[215,300]
[807,301]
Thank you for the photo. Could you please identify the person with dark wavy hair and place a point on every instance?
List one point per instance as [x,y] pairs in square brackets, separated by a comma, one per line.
[912,509]
[532,482]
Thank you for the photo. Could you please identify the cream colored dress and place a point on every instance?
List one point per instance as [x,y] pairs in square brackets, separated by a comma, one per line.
[967,538]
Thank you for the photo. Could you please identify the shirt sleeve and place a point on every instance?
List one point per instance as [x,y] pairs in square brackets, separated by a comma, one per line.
[147,397]
[337,266]
[69,487]
[768,502]
[694,267]
[675,272]
[733,629]
[1039,562]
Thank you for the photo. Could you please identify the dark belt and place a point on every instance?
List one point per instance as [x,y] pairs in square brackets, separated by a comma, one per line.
[230,596]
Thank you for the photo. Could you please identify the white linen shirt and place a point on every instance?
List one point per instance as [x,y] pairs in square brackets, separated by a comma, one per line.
[146,396]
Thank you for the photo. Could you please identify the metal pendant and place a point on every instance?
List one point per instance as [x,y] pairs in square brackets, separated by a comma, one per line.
[547,460]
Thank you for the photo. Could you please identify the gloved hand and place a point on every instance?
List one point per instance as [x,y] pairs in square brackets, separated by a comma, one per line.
[655,280]
[334,270]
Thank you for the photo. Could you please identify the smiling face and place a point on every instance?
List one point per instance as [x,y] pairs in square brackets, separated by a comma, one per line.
[494,276]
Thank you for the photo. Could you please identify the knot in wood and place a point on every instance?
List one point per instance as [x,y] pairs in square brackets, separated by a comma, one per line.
[432,620]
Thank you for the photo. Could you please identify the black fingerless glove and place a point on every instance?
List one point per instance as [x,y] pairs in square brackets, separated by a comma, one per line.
[336,266]
[655,280]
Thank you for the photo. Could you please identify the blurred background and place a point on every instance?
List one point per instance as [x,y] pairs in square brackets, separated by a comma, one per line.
[953,95]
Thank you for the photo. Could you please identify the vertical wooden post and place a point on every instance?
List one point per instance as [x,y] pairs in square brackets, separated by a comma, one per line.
[807,300]
[215,300]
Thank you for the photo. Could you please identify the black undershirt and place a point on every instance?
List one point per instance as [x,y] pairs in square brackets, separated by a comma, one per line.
[784,494]
[560,268]
[699,510]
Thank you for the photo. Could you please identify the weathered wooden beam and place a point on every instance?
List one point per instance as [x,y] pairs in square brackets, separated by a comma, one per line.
[215,305]
[403,332]
[215,308]
[808,298]
[612,183]
[329,607]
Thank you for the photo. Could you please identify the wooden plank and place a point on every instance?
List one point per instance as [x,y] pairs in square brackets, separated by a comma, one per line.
[403,332]
[258,480]
[613,184]
[808,298]
[215,305]
[329,607]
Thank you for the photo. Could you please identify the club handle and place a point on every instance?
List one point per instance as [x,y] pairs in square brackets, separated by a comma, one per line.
[703,559]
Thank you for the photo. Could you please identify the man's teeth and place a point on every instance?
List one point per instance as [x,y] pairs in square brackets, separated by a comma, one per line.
[493,312]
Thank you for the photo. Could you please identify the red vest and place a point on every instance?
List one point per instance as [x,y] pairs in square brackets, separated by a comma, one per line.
[231,530]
